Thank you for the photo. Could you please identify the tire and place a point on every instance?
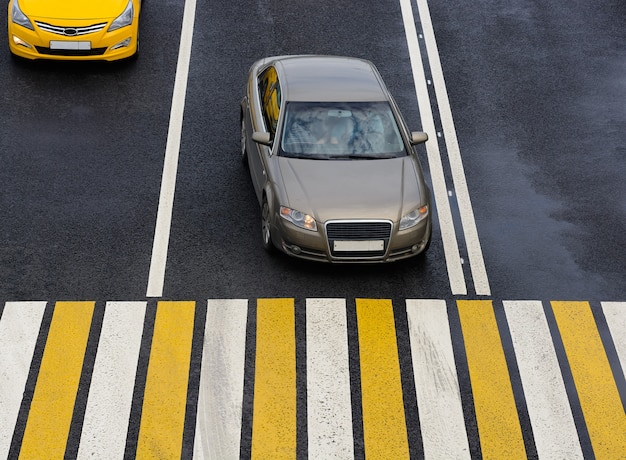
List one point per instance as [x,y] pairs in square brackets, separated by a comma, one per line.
[244,151]
[266,227]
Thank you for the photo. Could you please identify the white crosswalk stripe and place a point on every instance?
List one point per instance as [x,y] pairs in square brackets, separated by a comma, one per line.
[19,327]
[615,313]
[548,406]
[436,383]
[329,408]
[110,393]
[218,425]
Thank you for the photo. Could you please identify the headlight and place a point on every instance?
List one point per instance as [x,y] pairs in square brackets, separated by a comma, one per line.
[298,218]
[20,18]
[413,218]
[124,19]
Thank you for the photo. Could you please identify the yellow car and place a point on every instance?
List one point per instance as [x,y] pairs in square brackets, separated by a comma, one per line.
[74,29]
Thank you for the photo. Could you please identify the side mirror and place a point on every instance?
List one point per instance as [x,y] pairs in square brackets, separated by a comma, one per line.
[262,138]
[418,137]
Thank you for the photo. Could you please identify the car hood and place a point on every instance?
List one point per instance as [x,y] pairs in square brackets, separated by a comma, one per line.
[351,189]
[73,9]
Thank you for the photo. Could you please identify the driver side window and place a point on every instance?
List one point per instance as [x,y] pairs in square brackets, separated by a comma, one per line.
[269,92]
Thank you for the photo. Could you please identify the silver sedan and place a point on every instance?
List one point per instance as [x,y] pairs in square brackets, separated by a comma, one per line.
[332,162]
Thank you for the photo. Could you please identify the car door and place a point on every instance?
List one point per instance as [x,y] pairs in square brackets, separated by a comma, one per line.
[269,93]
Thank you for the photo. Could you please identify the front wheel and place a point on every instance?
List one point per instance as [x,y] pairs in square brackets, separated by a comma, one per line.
[266,226]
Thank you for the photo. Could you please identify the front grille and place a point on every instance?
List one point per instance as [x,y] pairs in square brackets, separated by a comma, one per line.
[67,31]
[358,231]
[91,52]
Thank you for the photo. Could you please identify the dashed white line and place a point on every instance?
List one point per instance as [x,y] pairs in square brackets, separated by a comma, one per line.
[477,264]
[446,224]
[448,233]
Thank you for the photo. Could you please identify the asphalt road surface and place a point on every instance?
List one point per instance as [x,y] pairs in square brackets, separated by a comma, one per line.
[536,94]
[527,149]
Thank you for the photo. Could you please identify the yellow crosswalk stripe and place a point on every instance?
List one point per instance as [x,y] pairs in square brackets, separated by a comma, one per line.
[53,402]
[498,422]
[165,397]
[384,423]
[597,391]
[274,413]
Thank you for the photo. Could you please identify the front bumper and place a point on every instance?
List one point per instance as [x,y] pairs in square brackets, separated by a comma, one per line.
[99,45]
[319,246]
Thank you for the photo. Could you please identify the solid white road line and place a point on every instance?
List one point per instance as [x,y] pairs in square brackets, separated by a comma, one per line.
[329,410]
[19,328]
[448,234]
[218,422]
[110,395]
[156,277]
[548,406]
[475,255]
[615,314]
[436,383]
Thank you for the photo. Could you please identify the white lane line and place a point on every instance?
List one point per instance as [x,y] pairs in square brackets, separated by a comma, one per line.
[477,263]
[436,383]
[615,314]
[329,409]
[111,392]
[448,234]
[19,328]
[156,277]
[218,422]
[548,406]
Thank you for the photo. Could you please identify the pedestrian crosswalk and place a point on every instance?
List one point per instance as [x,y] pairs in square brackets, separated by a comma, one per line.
[326,378]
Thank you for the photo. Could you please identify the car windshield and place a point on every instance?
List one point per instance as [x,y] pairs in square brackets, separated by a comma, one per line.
[356,130]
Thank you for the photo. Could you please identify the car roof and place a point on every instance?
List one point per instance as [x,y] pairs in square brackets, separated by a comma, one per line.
[329,78]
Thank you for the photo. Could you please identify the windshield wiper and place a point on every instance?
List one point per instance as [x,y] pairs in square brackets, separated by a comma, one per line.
[356,156]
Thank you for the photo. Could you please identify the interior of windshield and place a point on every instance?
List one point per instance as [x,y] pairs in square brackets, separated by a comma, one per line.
[340,131]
